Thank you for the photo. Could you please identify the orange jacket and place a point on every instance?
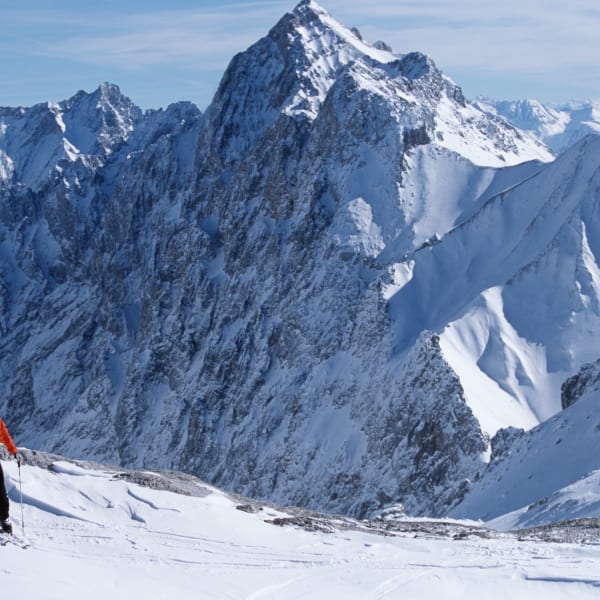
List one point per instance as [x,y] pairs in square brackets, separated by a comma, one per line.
[6,439]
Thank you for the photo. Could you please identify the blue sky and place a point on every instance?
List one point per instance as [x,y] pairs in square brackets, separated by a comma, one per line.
[159,52]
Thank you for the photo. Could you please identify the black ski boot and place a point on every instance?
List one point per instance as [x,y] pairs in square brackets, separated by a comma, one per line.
[7,527]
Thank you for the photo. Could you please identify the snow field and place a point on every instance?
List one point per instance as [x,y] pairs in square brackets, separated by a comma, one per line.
[95,535]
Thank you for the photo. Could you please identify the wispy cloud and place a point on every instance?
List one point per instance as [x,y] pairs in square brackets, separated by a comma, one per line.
[480,41]
[183,37]
[160,47]
[512,35]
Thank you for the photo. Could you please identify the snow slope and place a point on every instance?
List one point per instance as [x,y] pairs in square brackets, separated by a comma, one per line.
[95,533]
[549,473]
[513,292]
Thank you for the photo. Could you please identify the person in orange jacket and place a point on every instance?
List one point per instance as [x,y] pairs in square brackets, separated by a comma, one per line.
[4,506]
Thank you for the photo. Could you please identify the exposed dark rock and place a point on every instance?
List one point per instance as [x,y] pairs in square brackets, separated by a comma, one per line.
[503,441]
[574,387]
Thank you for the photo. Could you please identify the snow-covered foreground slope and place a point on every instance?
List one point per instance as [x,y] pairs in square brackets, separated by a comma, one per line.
[95,533]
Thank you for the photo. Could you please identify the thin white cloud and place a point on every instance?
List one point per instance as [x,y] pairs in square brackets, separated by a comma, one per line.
[209,36]
[534,40]
[465,11]
[516,35]
[159,47]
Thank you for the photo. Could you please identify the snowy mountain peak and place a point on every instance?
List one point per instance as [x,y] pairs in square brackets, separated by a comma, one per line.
[56,140]
[289,72]
[416,65]
[95,123]
[220,293]
[532,109]
[109,91]
[526,114]
[318,26]
[309,59]
[309,8]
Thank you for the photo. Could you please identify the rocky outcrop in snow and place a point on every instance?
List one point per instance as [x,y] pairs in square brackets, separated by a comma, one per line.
[588,379]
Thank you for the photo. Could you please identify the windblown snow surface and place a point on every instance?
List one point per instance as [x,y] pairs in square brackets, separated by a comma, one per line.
[96,533]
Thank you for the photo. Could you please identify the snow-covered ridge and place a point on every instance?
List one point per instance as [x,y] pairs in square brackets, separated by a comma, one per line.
[89,128]
[311,12]
[308,55]
[471,286]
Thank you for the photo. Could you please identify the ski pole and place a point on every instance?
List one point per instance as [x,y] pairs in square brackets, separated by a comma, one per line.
[21,492]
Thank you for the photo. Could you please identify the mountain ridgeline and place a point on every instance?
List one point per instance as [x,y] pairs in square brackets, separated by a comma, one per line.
[330,289]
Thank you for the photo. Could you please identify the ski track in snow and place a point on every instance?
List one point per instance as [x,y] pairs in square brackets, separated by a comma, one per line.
[90,544]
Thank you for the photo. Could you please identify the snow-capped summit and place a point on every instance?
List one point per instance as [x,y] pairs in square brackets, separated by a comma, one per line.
[308,55]
[289,72]
[527,114]
[95,123]
[312,21]
[37,143]
[35,140]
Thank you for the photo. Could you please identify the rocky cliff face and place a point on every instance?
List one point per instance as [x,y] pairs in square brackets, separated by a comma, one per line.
[586,381]
[223,293]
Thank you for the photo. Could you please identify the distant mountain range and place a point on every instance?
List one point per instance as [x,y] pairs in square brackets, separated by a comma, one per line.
[343,286]
[558,126]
